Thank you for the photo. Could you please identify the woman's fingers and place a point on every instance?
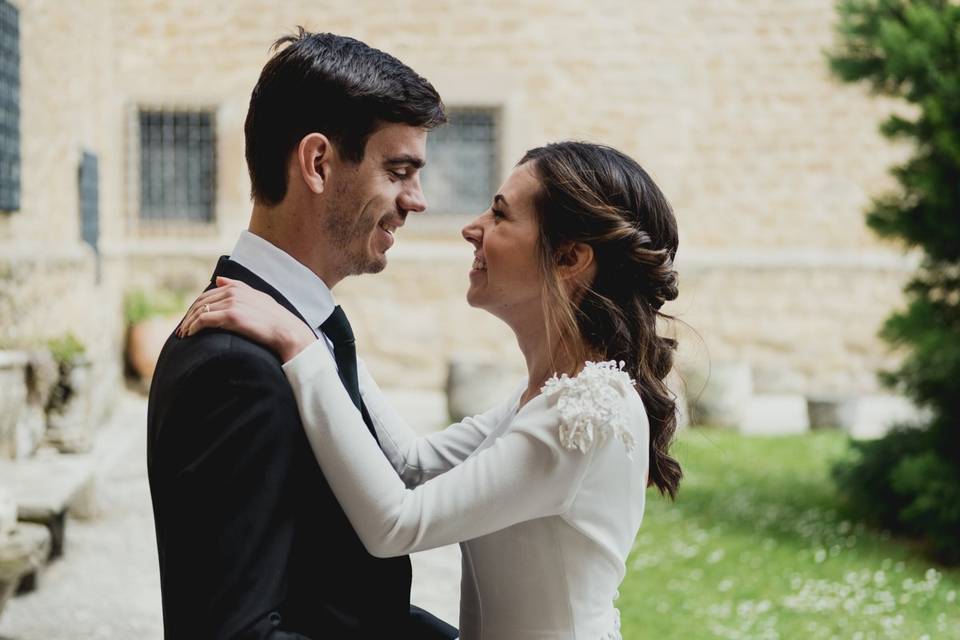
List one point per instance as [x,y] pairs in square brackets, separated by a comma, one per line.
[217,307]
[208,300]
[209,320]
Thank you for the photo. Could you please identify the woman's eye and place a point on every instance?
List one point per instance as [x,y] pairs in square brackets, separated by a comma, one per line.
[497,214]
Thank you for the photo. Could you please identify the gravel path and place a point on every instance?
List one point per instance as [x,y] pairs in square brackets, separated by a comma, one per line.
[106,586]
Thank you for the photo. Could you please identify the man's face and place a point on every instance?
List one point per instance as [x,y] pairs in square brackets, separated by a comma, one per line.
[369,201]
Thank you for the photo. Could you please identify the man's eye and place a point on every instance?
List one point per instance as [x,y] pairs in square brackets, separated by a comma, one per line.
[400,173]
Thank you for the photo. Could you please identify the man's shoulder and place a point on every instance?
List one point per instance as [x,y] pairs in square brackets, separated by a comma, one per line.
[213,352]
[216,378]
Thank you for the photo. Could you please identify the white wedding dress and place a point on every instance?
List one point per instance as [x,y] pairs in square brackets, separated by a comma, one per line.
[546,500]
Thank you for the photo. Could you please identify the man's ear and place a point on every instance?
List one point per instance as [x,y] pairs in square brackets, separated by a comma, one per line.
[313,161]
[575,261]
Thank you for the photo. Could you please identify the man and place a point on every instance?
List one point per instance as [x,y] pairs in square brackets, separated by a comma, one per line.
[252,542]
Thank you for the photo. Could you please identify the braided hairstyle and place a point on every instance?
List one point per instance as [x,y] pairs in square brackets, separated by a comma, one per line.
[596,195]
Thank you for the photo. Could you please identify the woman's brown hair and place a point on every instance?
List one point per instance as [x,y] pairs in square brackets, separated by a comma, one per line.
[594,194]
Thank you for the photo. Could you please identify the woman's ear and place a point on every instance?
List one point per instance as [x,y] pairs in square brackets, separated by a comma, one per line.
[575,261]
[313,161]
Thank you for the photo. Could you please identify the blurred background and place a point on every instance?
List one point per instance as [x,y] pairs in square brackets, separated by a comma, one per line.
[123,179]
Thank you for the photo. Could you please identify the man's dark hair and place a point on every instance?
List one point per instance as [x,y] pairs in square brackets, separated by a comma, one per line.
[329,84]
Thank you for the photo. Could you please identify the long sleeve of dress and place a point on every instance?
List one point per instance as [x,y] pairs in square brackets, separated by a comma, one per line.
[524,474]
[418,458]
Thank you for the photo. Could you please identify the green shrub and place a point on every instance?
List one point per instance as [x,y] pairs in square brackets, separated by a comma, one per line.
[910,49]
[66,349]
[902,483]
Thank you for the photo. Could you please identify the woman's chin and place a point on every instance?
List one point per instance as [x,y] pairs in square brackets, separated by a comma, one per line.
[474,299]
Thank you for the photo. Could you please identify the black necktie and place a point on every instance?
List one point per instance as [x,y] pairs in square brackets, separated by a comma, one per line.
[337,328]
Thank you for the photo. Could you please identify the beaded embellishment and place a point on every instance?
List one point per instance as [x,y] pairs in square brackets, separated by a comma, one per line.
[591,406]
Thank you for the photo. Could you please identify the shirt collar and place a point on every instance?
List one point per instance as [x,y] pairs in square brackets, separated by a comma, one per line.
[298,284]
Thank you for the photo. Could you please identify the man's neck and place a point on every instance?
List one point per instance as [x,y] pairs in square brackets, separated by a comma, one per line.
[286,230]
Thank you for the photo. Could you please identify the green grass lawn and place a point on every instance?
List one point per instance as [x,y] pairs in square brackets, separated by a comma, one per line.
[757,546]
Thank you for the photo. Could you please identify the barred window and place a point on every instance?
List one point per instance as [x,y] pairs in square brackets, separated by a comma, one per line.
[9,107]
[177,165]
[462,172]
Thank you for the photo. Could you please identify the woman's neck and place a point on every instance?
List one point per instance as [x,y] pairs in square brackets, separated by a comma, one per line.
[543,357]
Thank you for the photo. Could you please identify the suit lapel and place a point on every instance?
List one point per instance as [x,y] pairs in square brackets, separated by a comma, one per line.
[235,271]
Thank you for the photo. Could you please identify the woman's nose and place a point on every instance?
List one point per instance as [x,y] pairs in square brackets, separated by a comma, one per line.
[473,233]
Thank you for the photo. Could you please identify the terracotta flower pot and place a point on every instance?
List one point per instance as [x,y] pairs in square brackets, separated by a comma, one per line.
[144,342]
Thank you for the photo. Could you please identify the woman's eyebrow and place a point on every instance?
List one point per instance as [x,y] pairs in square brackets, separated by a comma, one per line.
[501,200]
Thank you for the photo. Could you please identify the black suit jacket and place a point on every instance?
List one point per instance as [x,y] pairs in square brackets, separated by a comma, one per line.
[252,542]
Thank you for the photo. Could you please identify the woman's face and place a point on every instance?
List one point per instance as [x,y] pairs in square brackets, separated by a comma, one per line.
[505,279]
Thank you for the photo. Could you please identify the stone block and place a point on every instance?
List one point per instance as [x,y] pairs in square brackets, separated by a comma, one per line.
[726,390]
[69,425]
[873,416]
[13,401]
[475,386]
[8,512]
[826,412]
[43,373]
[31,429]
[23,553]
[775,415]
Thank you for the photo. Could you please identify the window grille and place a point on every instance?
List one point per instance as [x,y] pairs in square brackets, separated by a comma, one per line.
[462,169]
[177,166]
[9,107]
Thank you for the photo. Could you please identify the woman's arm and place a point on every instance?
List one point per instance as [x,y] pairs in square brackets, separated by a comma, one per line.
[525,474]
[235,306]
[418,458]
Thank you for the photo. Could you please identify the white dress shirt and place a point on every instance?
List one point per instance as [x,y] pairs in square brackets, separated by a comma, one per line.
[304,289]
[544,499]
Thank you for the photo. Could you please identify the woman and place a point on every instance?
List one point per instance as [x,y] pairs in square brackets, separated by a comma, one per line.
[546,491]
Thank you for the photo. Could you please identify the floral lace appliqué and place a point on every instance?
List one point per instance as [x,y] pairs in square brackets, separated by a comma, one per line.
[591,406]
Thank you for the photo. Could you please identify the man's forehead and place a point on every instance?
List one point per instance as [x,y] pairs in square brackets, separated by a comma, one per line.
[398,141]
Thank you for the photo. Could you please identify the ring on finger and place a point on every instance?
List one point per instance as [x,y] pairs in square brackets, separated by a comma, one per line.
[205,308]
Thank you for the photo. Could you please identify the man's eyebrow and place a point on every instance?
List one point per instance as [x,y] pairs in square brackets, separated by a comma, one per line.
[414,161]
[499,198]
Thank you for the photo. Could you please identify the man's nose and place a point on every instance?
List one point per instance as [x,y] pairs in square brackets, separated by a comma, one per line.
[412,199]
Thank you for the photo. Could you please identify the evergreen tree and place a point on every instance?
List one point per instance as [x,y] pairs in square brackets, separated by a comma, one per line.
[910,480]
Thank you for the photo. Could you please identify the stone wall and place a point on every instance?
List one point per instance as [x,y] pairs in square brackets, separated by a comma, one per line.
[50,283]
[768,162]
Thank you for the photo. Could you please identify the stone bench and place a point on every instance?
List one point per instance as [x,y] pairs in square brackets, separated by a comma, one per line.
[44,488]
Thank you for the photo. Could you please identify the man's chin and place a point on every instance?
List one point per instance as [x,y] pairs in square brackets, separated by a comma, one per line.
[376,265]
